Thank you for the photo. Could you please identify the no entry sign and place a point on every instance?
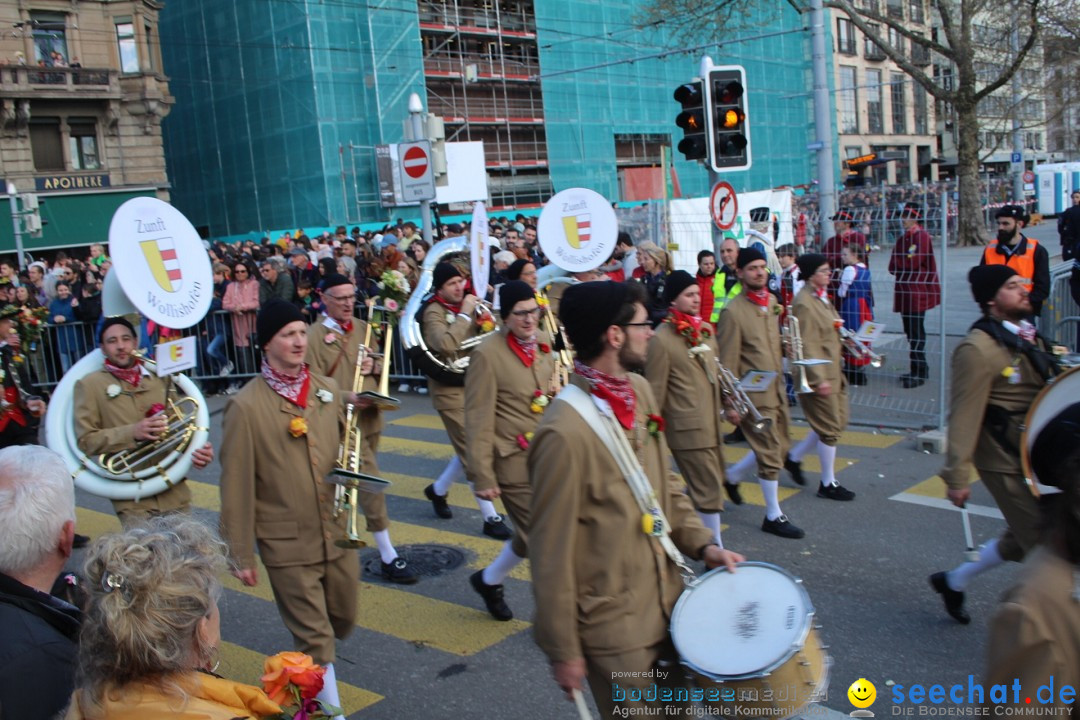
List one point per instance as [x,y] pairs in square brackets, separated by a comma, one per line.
[417,180]
[415,162]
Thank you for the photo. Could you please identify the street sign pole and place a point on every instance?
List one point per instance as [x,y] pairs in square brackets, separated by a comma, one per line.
[714,177]
[416,110]
[16,225]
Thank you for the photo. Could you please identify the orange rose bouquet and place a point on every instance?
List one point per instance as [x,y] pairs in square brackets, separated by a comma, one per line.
[292,680]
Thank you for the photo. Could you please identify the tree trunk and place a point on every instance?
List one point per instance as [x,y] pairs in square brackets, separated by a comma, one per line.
[971,226]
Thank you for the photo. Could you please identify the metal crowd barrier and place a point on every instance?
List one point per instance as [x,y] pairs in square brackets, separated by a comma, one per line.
[1061,315]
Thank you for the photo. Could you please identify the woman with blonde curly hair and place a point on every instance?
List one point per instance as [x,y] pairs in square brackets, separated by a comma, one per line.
[150,639]
[655,265]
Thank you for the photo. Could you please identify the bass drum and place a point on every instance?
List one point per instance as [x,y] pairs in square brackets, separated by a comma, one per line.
[1060,393]
[88,473]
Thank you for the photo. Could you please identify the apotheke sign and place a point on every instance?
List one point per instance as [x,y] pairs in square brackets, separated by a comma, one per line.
[71,182]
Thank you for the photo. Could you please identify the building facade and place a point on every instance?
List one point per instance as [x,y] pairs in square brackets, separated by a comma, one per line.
[82,96]
[1062,91]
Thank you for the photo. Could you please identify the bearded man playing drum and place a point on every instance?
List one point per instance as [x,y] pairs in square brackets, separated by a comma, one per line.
[601,611]
[122,405]
[997,371]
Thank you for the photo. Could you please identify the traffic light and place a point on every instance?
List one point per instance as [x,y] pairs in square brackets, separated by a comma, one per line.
[31,214]
[693,120]
[730,146]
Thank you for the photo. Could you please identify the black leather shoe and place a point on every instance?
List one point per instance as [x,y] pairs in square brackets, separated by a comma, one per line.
[954,601]
[496,528]
[80,541]
[835,492]
[734,437]
[438,503]
[782,527]
[911,381]
[795,468]
[492,595]
[399,572]
[732,490]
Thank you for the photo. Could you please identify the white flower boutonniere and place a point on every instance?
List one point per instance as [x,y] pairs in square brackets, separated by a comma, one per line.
[325,395]
[698,350]
[113,390]
[330,338]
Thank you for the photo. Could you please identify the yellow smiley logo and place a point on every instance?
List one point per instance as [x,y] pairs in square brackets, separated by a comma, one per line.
[862,693]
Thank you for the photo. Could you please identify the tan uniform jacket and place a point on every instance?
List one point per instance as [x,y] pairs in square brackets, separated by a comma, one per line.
[977,381]
[106,424]
[340,355]
[499,391]
[748,338]
[443,333]
[273,487]
[820,338]
[686,389]
[1035,633]
[602,586]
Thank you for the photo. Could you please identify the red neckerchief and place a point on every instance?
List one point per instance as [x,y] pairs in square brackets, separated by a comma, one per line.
[131,375]
[619,393]
[346,327]
[524,349]
[293,388]
[759,297]
[693,320]
[456,309]
[823,293]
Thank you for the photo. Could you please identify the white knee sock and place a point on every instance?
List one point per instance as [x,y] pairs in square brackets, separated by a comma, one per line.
[805,445]
[386,548]
[487,508]
[329,692]
[711,521]
[500,567]
[453,472]
[989,558]
[736,472]
[827,455]
[770,489]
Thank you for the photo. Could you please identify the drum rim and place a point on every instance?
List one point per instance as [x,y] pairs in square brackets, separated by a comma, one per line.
[783,659]
[1030,479]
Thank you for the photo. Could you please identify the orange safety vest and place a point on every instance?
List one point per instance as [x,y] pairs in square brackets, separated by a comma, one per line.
[1023,263]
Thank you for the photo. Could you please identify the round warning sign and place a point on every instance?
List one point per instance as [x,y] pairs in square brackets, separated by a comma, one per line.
[723,205]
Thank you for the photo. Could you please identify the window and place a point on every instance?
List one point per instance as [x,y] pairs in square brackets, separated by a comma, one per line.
[148,33]
[129,50]
[896,40]
[848,99]
[922,122]
[46,143]
[895,8]
[920,54]
[875,113]
[915,11]
[899,110]
[50,37]
[870,48]
[82,142]
[845,36]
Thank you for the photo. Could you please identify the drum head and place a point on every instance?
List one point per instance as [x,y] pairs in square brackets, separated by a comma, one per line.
[1051,400]
[742,624]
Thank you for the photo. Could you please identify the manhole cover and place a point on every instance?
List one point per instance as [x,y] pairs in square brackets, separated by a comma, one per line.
[425,560]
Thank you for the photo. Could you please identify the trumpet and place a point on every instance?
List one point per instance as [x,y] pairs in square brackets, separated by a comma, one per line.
[860,349]
[731,388]
[792,340]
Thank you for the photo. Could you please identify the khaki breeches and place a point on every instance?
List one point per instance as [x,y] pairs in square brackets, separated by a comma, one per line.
[613,683]
[828,416]
[512,474]
[317,603]
[703,471]
[373,504]
[770,446]
[176,499]
[454,422]
[1021,511]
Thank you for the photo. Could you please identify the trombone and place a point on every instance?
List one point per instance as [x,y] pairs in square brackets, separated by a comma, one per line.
[731,388]
[859,349]
[564,364]
[792,340]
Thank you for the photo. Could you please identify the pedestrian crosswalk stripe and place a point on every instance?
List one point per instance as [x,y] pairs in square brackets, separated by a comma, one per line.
[412,486]
[810,463]
[246,666]
[416,448]
[942,503]
[427,421]
[933,487]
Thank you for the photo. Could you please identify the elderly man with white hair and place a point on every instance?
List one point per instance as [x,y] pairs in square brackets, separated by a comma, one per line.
[38,632]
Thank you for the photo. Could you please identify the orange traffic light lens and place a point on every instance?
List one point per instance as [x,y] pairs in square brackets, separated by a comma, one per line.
[732,118]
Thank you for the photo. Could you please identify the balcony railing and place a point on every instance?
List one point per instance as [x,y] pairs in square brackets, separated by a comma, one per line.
[486,68]
[25,78]
[480,109]
[872,51]
[466,19]
[920,55]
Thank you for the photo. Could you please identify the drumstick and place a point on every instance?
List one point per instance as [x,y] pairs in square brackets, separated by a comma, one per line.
[971,554]
[582,708]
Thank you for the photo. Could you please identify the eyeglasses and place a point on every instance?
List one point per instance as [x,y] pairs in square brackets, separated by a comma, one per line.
[644,323]
[535,312]
[341,298]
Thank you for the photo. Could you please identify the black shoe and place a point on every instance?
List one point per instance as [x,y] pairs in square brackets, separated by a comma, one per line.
[399,572]
[438,503]
[859,377]
[835,492]
[735,437]
[911,381]
[732,490]
[954,601]
[795,468]
[791,401]
[492,595]
[80,541]
[782,527]
[496,528]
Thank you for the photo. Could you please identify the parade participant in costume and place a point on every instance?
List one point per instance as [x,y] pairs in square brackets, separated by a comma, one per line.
[449,318]
[123,404]
[600,608]
[826,409]
[856,307]
[846,236]
[507,387]
[332,350]
[997,370]
[20,412]
[917,289]
[748,338]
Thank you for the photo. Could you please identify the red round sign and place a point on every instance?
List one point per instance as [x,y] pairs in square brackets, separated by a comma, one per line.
[723,205]
[415,162]
[1029,177]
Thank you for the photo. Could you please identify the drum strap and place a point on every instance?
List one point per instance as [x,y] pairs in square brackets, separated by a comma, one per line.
[609,432]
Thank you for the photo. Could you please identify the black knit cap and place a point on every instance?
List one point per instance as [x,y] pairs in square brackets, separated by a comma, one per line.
[333,280]
[511,293]
[747,256]
[273,316]
[986,280]
[1054,443]
[809,264]
[590,308]
[516,268]
[675,283]
[109,322]
[444,271]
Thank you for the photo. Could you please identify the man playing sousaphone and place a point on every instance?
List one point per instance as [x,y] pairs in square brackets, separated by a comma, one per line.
[606,573]
[122,405]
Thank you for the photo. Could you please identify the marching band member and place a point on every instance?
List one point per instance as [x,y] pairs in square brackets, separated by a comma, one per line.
[826,409]
[748,338]
[19,417]
[333,347]
[281,438]
[507,387]
[599,608]
[682,371]
[450,318]
[997,371]
[123,404]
